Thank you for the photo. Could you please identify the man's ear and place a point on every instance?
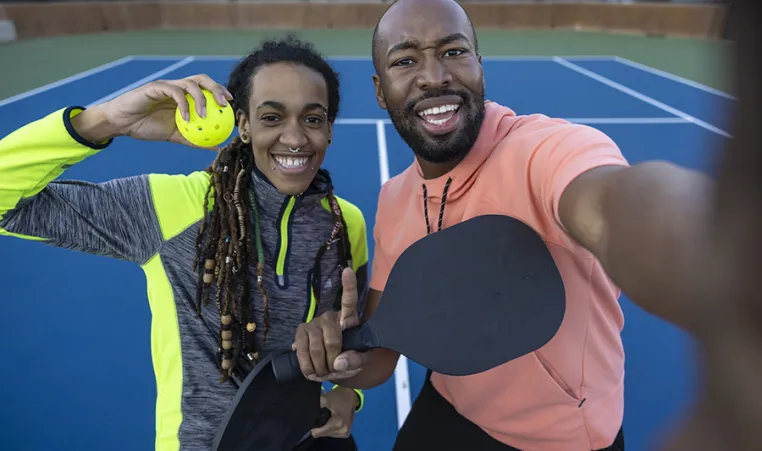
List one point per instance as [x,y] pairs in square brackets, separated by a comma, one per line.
[379,92]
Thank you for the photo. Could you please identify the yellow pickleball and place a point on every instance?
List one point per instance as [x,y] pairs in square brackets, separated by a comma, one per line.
[208,131]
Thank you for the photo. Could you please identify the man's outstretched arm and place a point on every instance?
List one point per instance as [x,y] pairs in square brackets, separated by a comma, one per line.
[647,225]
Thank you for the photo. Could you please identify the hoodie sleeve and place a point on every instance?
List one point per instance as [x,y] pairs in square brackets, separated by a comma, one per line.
[114,218]
[568,151]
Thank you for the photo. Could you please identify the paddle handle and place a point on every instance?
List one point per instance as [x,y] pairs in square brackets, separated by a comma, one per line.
[286,366]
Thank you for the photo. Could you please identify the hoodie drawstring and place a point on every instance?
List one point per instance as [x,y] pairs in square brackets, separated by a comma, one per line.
[441,208]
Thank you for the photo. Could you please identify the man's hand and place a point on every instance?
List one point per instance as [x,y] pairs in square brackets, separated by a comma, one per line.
[318,343]
[341,402]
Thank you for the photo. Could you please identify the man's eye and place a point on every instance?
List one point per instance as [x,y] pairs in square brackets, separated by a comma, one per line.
[454,52]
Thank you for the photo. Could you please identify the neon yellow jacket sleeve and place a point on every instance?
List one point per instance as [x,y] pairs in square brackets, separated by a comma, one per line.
[114,218]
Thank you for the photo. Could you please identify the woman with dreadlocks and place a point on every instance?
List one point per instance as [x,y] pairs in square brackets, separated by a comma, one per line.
[236,256]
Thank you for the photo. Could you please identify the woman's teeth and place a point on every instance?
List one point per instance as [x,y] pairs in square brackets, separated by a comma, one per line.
[291,162]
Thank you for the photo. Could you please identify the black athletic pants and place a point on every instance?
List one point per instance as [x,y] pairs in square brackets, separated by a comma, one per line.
[434,424]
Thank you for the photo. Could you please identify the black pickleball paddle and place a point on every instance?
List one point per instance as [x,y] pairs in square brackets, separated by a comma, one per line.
[266,415]
[460,301]
[463,300]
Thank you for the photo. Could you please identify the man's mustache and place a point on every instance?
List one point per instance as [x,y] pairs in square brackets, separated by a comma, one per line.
[465,95]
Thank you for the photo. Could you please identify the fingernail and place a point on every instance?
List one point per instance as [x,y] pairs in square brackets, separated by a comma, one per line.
[186,116]
[203,111]
[341,364]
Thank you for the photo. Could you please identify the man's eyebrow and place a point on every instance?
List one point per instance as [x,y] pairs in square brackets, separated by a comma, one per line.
[451,38]
[404,45]
[412,43]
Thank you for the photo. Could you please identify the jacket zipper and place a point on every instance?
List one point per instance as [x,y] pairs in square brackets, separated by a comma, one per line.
[284,242]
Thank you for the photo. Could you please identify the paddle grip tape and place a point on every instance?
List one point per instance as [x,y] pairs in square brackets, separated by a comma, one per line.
[286,366]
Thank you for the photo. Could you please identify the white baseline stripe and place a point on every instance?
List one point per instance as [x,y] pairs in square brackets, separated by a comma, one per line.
[640,96]
[143,81]
[368,58]
[361,121]
[401,373]
[66,80]
[583,120]
[673,77]
[629,120]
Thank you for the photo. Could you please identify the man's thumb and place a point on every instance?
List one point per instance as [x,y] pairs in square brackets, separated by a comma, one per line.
[349,361]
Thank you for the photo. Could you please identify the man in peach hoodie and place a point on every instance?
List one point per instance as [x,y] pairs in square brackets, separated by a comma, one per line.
[645,228]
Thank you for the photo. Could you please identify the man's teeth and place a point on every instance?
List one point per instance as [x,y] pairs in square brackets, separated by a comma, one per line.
[437,110]
[291,162]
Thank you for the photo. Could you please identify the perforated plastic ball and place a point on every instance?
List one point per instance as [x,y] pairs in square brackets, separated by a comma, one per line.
[208,131]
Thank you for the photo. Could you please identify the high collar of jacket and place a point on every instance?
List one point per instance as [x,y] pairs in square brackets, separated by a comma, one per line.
[270,197]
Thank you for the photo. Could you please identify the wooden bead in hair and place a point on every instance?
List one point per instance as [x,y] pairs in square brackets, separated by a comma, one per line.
[209,271]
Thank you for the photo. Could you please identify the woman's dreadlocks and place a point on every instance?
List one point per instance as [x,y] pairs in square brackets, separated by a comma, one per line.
[229,240]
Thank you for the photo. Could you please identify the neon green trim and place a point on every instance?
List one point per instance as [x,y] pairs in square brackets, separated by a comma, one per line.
[4,232]
[283,251]
[361,401]
[356,229]
[360,395]
[313,305]
[166,356]
[179,200]
[35,155]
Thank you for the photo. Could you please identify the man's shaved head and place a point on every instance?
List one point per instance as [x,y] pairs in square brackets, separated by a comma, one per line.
[420,6]
[429,78]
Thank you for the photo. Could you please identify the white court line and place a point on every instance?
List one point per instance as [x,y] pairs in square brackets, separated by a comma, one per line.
[66,80]
[673,77]
[628,120]
[401,373]
[583,120]
[383,154]
[402,390]
[360,121]
[143,81]
[368,58]
[641,96]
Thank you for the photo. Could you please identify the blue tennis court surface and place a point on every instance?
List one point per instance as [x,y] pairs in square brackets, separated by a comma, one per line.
[76,335]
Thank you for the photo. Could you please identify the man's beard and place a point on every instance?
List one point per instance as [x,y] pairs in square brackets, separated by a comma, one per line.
[441,149]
